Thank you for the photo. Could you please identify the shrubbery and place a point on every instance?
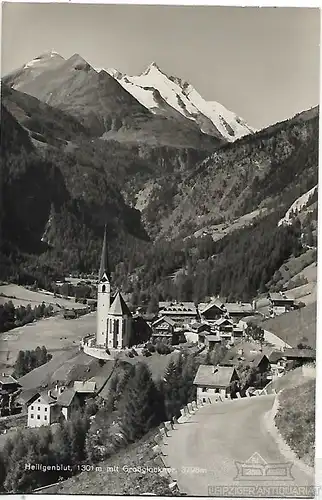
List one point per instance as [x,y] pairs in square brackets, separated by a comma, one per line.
[162,348]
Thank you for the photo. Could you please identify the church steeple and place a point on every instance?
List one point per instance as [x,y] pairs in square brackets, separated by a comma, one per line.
[104,266]
[103,295]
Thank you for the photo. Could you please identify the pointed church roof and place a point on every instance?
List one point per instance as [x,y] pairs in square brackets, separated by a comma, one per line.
[104,267]
[119,307]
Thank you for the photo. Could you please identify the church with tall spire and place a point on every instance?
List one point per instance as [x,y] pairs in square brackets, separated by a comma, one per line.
[114,319]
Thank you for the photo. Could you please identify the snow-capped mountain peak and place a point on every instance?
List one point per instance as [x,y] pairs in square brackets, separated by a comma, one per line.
[31,69]
[159,92]
[43,58]
[152,66]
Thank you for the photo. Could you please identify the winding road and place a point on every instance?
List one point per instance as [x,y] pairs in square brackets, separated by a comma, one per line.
[203,452]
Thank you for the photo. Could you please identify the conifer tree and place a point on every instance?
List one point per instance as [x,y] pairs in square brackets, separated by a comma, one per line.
[138,408]
[173,388]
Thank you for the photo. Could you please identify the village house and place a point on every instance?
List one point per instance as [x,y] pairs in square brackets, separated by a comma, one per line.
[280,303]
[245,355]
[227,329]
[277,363]
[298,357]
[224,327]
[261,363]
[212,311]
[84,389]
[200,328]
[51,406]
[215,383]
[26,397]
[163,330]
[238,310]
[182,313]
[8,390]
[8,384]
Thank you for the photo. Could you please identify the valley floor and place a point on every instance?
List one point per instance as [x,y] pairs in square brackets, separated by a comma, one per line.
[57,334]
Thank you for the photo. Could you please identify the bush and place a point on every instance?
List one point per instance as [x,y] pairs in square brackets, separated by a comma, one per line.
[150,347]
[162,348]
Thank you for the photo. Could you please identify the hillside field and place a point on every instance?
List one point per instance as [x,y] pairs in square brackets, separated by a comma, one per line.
[23,297]
[57,334]
[106,481]
[295,326]
[295,419]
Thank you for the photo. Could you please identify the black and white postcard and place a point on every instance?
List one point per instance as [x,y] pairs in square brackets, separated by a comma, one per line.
[158,250]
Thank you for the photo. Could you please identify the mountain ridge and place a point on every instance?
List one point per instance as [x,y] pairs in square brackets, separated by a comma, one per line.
[157,93]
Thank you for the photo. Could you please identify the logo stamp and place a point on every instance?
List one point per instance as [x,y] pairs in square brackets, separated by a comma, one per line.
[257,469]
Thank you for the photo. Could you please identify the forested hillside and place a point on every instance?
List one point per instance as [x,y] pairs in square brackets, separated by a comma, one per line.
[162,204]
[268,169]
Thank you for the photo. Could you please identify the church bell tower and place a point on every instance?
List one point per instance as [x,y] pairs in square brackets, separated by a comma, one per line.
[103,296]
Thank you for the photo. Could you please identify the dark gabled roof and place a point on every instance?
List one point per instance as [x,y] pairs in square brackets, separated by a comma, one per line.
[164,319]
[28,396]
[218,376]
[104,270]
[258,359]
[48,398]
[119,307]
[221,321]
[66,397]
[214,303]
[238,308]
[299,353]
[275,356]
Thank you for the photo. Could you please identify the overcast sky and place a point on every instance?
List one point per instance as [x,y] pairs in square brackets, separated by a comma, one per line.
[262,63]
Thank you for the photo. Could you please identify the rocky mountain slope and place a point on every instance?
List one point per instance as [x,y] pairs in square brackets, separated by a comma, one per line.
[163,94]
[265,171]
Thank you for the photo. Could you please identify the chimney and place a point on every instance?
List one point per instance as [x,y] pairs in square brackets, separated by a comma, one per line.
[3,374]
[49,393]
[56,387]
[60,390]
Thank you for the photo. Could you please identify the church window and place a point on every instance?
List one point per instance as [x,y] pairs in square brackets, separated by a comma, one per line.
[103,288]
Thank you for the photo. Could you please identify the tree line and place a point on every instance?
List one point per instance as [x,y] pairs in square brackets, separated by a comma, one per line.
[29,360]
[13,316]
